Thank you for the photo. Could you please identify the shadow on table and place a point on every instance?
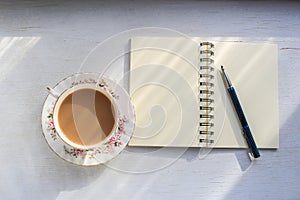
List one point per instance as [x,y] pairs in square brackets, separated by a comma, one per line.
[274,170]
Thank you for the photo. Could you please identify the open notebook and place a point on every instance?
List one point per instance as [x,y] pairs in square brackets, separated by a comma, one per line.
[180,99]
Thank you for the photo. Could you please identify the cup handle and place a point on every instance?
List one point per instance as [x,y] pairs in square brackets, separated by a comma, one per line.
[53,92]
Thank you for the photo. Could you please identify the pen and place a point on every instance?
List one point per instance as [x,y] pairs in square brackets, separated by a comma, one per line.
[238,108]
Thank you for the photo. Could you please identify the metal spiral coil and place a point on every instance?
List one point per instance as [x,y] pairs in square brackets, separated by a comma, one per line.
[206,108]
[206,124]
[210,76]
[209,44]
[206,100]
[206,132]
[207,116]
[207,140]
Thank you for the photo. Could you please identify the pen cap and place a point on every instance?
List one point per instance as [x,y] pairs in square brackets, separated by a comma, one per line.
[250,141]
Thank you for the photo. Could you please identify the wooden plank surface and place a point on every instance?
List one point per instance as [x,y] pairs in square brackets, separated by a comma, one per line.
[42,42]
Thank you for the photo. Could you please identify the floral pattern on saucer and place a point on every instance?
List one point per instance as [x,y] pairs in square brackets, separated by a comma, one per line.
[51,127]
[112,145]
[113,142]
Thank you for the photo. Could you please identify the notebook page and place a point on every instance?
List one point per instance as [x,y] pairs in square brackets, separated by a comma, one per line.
[163,89]
[253,70]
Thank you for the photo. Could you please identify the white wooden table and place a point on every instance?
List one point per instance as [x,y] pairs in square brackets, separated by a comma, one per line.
[42,42]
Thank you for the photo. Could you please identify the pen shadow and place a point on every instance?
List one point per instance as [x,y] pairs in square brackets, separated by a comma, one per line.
[269,165]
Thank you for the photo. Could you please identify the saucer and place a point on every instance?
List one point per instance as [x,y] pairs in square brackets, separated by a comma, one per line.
[112,145]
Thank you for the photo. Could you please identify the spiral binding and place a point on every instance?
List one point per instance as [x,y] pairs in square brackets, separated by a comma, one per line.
[206,92]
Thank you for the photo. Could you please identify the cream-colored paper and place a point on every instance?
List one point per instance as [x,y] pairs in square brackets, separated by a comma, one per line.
[164,91]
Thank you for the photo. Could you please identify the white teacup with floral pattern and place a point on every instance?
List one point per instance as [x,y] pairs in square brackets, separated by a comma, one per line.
[85,115]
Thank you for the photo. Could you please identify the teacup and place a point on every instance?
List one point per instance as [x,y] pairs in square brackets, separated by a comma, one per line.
[85,115]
